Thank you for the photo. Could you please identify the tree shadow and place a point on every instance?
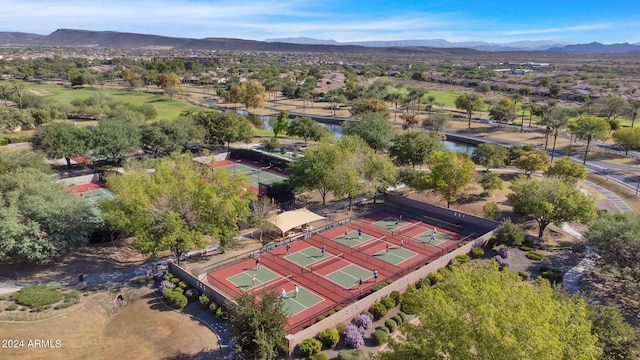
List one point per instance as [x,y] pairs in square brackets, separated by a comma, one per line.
[202,355]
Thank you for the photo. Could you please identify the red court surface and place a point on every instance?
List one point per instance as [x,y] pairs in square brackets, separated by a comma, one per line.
[79,189]
[366,255]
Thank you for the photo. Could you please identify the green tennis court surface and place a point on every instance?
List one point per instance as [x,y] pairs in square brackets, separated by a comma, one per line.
[305,299]
[352,239]
[349,275]
[426,237]
[244,279]
[390,223]
[256,175]
[95,195]
[307,256]
[395,255]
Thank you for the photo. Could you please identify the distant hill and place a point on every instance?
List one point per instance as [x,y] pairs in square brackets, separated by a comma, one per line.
[435,47]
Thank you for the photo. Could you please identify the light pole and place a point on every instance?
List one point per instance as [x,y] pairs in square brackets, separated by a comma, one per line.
[522,123]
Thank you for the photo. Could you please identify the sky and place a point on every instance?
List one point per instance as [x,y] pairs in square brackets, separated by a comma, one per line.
[584,21]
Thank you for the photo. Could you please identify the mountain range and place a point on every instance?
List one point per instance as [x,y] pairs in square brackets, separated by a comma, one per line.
[123,40]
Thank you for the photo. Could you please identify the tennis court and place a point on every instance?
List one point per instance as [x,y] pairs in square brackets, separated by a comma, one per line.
[349,275]
[352,239]
[297,303]
[94,195]
[307,256]
[432,237]
[255,174]
[390,223]
[396,255]
[244,280]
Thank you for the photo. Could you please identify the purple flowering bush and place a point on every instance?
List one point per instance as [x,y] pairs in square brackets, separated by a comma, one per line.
[504,252]
[352,337]
[165,284]
[502,262]
[363,321]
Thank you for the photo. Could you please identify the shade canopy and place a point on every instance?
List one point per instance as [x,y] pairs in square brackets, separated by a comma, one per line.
[292,219]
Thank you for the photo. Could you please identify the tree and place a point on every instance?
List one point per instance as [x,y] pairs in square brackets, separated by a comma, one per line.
[615,238]
[532,160]
[413,147]
[131,78]
[490,155]
[168,136]
[307,129]
[590,128]
[520,321]
[451,175]
[370,105]
[633,110]
[38,219]
[350,170]
[491,181]
[60,140]
[280,123]
[379,173]
[551,201]
[250,93]
[223,127]
[172,91]
[263,215]
[257,326]
[628,138]
[11,160]
[555,119]
[616,337]
[175,206]
[436,121]
[469,103]
[115,139]
[502,113]
[567,170]
[17,89]
[315,170]
[612,106]
[374,128]
[165,80]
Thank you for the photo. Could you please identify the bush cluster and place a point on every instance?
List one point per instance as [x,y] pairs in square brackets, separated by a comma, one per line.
[310,346]
[460,260]
[477,252]
[391,324]
[553,275]
[510,234]
[534,255]
[329,337]
[363,321]
[403,316]
[318,356]
[396,296]
[352,337]
[379,337]
[38,296]
[526,248]
[175,299]
[355,354]
[378,310]
[387,302]
[524,275]
[204,301]
[434,277]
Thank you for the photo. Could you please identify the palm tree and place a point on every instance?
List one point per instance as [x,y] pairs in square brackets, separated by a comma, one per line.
[4,92]
[394,97]
[589,128]
[556,120]
[18,89]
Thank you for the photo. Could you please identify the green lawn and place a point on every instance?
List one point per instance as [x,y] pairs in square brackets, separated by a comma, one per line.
[167,108]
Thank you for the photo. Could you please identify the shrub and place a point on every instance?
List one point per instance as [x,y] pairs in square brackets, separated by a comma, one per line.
[493,241]
[477,252]
[534,255]
[213,307]
[460,260]
[191,294]
[179,290]
[526,248]
[37,296]
[403,316]
[397,319]
[329,337]
[363,321]
[378,310]
[503,252]
[64,305]
[168,276]
[221,314]
[175,299]
[11,307]
[445,272]
[379,337]
[320,318]
[338,308]
[204,301]
[543,268]
[3,297]
[524,275]
[166,284]
[352,337]
[502,262]
[183,285]
[385,329]
[355,354]
[377,287]
[391,324]
[175,281]
[554,276]
[491,210]
[434,277]
[387,302]
[407,306]
[331,312]
[370,315]
[510,234]
[342,328]
[72,297]
[310,346]
[318,356]
[424,282]
[396,296]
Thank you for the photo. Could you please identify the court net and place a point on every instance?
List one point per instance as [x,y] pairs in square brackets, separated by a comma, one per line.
[371,243]
[272,284]
[409,227]
[324,262]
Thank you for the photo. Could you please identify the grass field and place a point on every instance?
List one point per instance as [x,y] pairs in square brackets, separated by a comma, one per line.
[167,108]
[143,329]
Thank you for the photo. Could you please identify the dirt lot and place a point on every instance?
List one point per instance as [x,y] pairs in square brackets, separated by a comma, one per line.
[143,329]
